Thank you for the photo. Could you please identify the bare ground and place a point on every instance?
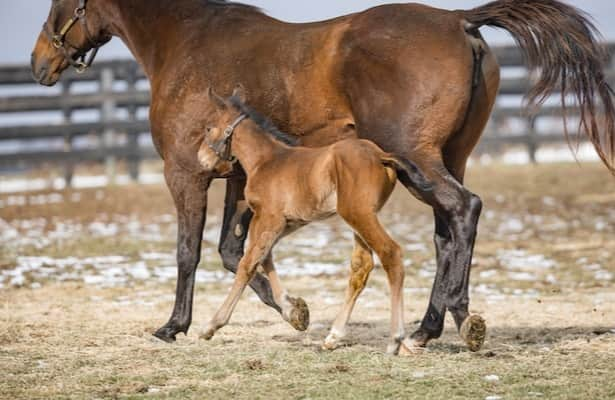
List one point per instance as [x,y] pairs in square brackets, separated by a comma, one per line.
[86,277]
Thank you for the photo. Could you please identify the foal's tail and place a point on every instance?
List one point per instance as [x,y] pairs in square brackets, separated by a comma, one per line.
[407,173]
[559,41]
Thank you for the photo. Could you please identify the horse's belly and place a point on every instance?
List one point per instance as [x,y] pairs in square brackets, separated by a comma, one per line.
[323,208]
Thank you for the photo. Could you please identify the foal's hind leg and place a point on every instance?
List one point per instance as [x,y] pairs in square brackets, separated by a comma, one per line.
[361,265]
[264,232]
[294,309]
[367,226]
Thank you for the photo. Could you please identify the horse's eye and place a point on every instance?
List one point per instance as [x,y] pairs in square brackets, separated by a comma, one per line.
[209,128]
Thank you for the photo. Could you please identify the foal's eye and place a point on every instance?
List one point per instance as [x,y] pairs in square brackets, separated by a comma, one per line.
[209,128]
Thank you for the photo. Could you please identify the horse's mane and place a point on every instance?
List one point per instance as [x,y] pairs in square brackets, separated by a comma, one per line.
[226,3]
[263,122]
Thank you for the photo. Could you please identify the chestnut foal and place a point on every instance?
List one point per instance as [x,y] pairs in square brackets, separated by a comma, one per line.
[288,187]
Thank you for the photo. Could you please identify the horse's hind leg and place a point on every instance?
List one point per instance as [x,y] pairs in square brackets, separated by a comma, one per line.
[264,232]
[457,211]
[294,309]
[367,226]
[361,265]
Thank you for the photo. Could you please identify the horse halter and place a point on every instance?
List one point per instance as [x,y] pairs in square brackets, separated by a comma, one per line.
[222,148]
[59,41]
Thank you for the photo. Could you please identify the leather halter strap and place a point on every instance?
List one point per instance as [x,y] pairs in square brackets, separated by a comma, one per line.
[222,147]
[75,56]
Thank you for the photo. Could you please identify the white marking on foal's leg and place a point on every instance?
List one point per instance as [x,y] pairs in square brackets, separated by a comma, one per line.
[333,339]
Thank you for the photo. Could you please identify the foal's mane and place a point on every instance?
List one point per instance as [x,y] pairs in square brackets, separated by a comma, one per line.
[263,122]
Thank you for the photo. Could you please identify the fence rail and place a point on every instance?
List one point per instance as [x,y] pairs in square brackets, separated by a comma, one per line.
[118,95]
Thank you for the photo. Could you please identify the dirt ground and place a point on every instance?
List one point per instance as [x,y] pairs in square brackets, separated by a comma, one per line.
[87,275]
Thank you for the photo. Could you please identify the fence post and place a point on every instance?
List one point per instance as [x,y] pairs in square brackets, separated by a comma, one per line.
[134,157]
[107,116]
[532,143]
[69,166]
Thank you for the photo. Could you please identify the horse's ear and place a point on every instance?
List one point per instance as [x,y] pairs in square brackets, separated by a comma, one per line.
[215,98]
[240,93]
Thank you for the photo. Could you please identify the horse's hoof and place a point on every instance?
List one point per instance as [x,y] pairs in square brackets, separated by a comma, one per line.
[165,334]
[393,348]
[331,342]
[410,347]
[473,332]
[299,316]
[208,334]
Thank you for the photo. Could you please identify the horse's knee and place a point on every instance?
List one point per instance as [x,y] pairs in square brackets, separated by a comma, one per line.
[188,258]
[390,256]
[461,211]
[476,206]
[359,275]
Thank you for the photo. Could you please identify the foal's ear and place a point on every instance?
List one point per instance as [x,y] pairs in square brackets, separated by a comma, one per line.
[240,93]
[215,98]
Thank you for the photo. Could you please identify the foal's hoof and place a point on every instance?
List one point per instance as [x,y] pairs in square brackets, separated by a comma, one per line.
[331,342]
[411,347]
[299,316]
[473,332]
[165,334]
[207,334]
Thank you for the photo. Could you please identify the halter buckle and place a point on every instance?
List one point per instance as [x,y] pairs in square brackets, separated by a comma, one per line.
[81,67]
[57,41]
[79,12]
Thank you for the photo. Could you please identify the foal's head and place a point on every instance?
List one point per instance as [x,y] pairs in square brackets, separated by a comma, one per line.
[215,152]
[72,29]
[226,115]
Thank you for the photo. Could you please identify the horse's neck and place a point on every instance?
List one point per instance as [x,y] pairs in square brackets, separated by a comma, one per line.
[151,29]
[156,30]
[252,147]
[136,23]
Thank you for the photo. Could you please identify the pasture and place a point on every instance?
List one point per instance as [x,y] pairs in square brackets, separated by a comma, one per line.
[87,275]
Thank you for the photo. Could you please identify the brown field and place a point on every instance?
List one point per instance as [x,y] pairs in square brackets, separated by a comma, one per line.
[87,275]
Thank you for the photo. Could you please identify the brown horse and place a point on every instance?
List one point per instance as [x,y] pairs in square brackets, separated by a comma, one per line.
[414,79]
[352,177]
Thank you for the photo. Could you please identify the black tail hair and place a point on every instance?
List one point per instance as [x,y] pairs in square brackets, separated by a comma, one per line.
[560,42]
[407,173]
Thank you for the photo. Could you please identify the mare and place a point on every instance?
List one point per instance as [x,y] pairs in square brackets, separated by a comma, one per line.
[413,79]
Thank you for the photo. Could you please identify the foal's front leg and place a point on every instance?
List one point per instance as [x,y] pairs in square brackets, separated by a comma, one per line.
[264,232]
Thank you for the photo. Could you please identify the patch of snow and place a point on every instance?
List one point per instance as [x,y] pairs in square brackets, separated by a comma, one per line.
[603,275]
[153,256]
[292,267]
[79,182]
[490,273]
[521,260]
[522,276]
[511,225]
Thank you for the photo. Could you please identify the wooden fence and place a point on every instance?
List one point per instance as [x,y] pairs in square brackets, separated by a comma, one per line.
[120,92]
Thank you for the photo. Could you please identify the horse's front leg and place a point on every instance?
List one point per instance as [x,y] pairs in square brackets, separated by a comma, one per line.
[189,191]
[237,216]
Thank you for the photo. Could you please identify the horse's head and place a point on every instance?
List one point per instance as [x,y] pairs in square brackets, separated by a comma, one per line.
[215,152]
[72,29]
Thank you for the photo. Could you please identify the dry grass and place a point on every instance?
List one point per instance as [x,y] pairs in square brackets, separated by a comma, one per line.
[549,337]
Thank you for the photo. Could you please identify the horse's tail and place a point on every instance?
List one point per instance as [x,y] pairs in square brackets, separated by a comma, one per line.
[407,173]
[559,41]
